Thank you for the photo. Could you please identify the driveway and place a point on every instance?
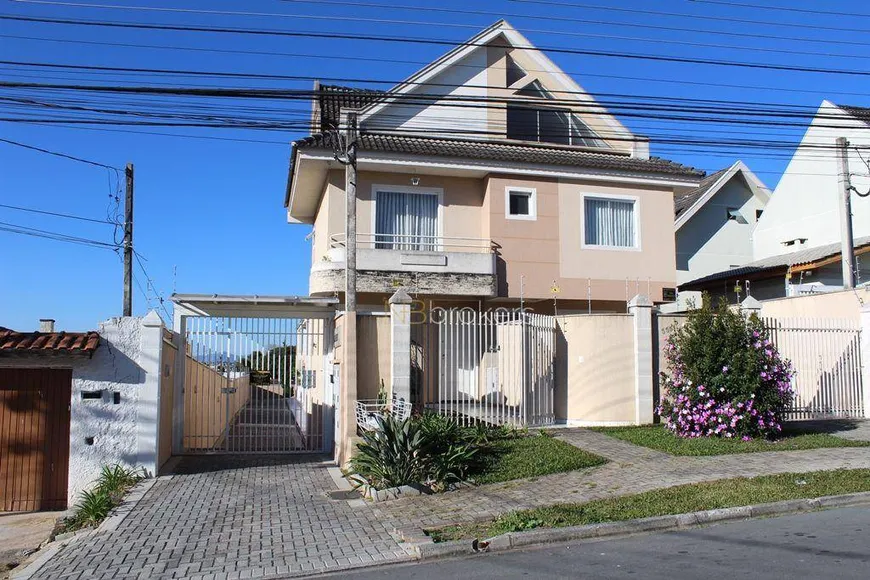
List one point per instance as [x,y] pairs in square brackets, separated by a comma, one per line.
[233,517]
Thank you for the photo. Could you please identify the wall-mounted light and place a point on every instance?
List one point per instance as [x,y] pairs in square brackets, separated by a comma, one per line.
[415,180]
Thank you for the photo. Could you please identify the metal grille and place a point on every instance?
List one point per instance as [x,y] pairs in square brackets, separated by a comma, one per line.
[826,355]
[494,367]
[255,385]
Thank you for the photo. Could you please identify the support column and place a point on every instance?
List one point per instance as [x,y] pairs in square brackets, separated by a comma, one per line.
[865,357]
[750,306]
[348,394]
[400,345]
[148,406]
[640,307]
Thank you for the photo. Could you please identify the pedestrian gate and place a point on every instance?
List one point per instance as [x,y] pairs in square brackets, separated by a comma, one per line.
[256,385]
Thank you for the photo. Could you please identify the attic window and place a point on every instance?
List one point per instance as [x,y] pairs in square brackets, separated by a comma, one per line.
[758,213]
[536,90]
[514,71]
[734,214]
[549,126]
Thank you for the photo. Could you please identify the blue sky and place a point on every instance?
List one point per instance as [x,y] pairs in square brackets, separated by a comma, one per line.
[209,212]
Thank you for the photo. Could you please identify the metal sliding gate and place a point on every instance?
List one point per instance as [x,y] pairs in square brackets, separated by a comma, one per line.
[494,367]
[826,355]
[256,385]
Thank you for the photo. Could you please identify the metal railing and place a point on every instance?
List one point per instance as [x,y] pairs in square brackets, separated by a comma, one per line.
[415,243]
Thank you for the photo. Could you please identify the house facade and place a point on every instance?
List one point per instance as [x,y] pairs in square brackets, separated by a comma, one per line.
[804,211]
[714,225]
[488,176]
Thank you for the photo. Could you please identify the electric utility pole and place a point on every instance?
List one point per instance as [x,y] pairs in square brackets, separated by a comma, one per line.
[844,184]
[351,137]
[128,243]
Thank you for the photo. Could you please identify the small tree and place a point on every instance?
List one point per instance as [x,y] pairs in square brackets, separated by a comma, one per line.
[726,379]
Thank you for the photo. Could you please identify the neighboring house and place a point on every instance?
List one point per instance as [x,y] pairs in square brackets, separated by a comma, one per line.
[73,402]
[713,226]
[804,211]
[806,271]
[489,175]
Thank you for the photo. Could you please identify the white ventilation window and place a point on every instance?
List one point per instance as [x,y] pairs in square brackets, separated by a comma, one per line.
[733,214]
[521,203]
[514,71]
[610,222]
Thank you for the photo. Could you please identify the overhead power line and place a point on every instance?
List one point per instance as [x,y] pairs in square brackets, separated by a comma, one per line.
[461,25]
[56,236]
[636,11]
[57,154]
[56,214]
[784,8]
[437,42]
[563,18]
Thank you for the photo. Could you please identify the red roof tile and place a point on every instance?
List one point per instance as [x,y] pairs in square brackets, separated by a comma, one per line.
[48,342]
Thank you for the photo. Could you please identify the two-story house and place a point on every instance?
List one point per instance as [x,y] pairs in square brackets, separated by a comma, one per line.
[489,176]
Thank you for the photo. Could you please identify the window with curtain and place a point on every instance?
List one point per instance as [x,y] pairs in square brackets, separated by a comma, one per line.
[610,222]
[406,221]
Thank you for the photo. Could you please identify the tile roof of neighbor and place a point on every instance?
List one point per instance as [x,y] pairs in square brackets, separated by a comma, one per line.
[504,151]
[12,342]
[686,200]
[797,258]
[860,113]
[334,98]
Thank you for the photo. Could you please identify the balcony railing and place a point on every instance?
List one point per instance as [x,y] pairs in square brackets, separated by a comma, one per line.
[415,243]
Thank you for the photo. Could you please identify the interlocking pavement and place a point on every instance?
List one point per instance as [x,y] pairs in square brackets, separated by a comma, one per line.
[233,517]
[260,517]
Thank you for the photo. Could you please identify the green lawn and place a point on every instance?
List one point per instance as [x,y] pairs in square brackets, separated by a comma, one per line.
[657,437]
[530,457]
[669,501]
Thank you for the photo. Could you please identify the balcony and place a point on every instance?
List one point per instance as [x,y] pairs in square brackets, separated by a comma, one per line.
[426,265]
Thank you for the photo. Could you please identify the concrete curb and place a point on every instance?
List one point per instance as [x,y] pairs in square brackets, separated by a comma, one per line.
[430,550]
[120,513]
[46,554]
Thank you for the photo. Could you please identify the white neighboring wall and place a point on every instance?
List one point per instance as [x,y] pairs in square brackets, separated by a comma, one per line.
[468,78]
[805,203]
[127,362]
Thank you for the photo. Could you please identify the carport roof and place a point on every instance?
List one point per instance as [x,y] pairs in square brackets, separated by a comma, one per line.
[254,305]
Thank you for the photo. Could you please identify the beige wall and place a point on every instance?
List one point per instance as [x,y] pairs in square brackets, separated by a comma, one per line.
[594,369]
[205,405]
[843,305]
[542,251]
[167,400]
[373,349]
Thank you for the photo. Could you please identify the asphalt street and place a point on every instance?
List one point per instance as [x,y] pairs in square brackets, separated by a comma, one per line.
[825,544]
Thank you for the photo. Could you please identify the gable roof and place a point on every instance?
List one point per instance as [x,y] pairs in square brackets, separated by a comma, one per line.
[802,259]
[504,151]
[331,99]
[689,203]
[51,343]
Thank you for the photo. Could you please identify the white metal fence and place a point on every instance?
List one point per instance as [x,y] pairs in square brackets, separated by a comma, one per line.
[255,385]
[826,355]
[495,367]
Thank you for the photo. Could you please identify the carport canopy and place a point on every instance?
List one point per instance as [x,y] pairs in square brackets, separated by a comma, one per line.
[252,306]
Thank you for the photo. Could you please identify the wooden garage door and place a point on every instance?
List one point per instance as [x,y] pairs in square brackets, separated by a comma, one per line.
[34,438]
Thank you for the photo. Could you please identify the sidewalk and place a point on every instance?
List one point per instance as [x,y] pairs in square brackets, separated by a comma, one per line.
[632,469]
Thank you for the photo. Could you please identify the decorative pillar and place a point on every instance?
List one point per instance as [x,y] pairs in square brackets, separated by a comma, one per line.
[640,307]
[750,306]
[400,345]
[148,405]
[865,357]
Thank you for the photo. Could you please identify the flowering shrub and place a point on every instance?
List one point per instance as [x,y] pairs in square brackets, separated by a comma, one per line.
[726,377]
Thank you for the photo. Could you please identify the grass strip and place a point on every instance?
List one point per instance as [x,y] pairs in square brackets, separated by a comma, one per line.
[659,438]
[531,456]
[668,501]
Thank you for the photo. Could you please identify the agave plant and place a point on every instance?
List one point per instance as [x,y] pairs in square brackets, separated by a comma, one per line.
[392,454]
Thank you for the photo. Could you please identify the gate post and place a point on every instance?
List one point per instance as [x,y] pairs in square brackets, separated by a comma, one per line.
[400,345]
[148,406]
[750,306]
[640,308]
[865,358]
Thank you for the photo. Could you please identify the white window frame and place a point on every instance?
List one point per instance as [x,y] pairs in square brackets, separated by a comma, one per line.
[437,191]
[533,203]
[615,197]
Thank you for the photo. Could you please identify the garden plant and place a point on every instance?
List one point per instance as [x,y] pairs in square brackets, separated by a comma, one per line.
[726,377]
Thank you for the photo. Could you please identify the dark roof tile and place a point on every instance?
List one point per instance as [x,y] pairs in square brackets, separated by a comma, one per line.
[686,200]
[504,151]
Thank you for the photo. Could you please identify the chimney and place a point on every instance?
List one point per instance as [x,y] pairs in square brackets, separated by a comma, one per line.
[46,325]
